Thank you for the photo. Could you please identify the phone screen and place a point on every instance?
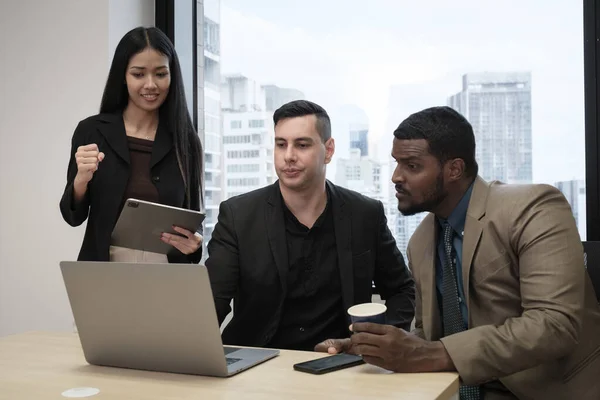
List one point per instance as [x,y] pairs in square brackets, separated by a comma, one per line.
[329,364]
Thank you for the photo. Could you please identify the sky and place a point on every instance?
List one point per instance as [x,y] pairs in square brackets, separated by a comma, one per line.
[367,53]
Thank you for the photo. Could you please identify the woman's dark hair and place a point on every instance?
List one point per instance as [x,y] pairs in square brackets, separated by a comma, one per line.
[173,111]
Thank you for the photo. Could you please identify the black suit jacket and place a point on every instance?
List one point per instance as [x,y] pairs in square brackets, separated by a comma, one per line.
[248,261]
[104,197]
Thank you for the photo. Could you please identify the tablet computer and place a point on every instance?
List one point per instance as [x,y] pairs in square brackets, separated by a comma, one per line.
[141,224]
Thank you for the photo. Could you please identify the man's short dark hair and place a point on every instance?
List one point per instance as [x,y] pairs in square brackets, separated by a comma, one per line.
[448,134]
[300,108]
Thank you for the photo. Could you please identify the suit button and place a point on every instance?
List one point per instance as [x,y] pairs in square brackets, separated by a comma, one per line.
[156,179]
[301,329]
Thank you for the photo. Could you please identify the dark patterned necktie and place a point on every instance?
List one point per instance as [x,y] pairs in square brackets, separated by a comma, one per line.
[452,317]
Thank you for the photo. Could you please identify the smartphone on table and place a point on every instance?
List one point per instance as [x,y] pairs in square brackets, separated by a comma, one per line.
[329,364]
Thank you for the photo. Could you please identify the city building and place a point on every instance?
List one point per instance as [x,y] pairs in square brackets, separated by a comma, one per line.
[276,96]
[498,105]
[574,191]
[248,138]
[360,173]
[210,116]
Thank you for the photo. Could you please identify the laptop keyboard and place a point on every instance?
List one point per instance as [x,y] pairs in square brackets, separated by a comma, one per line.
[231,360]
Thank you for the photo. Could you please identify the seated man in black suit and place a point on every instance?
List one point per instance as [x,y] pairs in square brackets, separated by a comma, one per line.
[295,255]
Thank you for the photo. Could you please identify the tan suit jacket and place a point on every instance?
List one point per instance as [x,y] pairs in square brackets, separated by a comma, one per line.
[534,321]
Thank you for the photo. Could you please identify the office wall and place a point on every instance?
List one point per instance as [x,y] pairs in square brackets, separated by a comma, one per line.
[55,57]
[124,15]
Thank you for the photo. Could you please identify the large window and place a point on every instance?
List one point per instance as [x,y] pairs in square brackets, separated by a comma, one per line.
[371,65]
[514,69]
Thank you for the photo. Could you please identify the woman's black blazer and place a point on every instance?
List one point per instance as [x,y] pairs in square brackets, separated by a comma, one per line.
[104,198]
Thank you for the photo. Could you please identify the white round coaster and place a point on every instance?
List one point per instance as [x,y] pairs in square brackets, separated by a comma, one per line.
[81,392]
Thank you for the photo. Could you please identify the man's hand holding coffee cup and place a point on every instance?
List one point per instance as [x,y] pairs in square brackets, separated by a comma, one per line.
[397,350]
[373,312]
[386,346]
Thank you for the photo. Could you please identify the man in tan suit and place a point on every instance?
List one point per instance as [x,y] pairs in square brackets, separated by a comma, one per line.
[502,294]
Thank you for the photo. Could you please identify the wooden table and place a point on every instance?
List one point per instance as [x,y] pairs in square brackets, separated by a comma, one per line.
[36,366]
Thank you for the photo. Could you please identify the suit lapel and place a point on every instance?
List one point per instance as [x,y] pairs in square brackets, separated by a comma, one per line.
[473,229]
[429,303]
[343,233]
[162,144]
[113,131]
[276,233]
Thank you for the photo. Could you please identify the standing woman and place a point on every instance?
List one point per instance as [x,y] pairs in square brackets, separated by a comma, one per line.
[142,145]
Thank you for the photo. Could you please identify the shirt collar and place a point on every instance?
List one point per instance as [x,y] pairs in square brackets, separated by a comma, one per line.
[319,220]
[458,216]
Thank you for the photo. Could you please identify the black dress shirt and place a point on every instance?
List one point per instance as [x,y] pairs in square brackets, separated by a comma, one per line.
[313,308]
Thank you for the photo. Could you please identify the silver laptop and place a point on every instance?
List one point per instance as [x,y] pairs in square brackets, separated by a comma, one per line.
[157,317]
